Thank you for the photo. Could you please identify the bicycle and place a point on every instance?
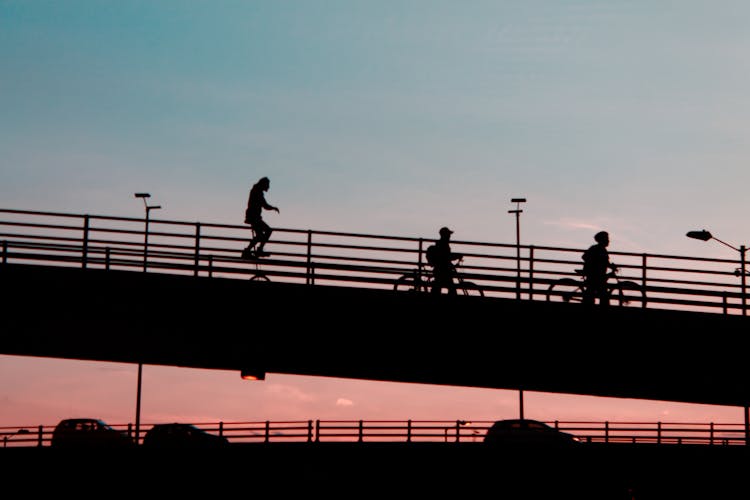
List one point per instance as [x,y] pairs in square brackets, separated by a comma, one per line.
[572,290]
[421,281]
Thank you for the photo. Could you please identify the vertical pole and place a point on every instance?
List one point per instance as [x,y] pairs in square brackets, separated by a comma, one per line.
[747,425]
[520,403]
[644,279]
[197,248]
[138,405]
[531,273]
[145,243]
[85,251]
[5,251]
[309,257]
[518,254]
[418,278]
[743,251]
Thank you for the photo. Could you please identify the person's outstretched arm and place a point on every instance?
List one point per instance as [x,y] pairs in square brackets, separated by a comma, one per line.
[268,206]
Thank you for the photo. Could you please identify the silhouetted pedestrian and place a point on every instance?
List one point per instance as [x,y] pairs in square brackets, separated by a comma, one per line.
[256,203]
[595,265]
[440,257]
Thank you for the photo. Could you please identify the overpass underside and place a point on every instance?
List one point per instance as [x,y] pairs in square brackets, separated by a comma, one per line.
[232,324]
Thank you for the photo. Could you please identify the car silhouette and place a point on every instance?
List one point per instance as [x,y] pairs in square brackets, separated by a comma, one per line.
[179,435]
[525,431]
[88,433]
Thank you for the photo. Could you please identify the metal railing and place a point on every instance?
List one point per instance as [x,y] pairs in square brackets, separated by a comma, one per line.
[360,260]
[414,431]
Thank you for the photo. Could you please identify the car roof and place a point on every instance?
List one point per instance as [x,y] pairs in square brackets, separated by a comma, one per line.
[77,420]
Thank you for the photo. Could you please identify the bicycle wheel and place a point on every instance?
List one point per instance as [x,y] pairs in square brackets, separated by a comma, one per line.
[405,283]
[565,290]
[470,288]
[627,292]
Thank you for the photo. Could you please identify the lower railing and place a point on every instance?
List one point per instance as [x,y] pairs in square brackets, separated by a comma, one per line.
[448,431]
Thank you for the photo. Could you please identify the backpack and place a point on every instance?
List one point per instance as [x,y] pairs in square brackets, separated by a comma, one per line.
[431,254]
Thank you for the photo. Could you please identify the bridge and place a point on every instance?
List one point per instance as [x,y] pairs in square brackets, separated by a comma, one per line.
[333,304]
[103,288]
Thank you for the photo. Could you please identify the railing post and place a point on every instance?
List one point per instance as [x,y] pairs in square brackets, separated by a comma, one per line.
[308,279]
[197,248]
[85,251]
[361,431]
[317,431]
[711,433]
[531,272]
[221,429]
[40,436]
[458,430]
[106,258]
[309,431]
[743,251]
[210,266]
[408,431]
[724,303]
[5,251]
[747,425]
[658,432]
[268,431]
[606,431]
[644,279]
[130,430]
[420,264]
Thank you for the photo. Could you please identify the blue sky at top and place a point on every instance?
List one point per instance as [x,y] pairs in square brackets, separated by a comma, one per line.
[393,117]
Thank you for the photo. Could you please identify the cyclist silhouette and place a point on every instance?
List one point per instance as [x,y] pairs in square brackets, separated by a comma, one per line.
[441,260]
[256,202]
[595,265]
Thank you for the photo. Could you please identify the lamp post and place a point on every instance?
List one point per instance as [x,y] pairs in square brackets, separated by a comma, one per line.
[704,235]
[518,213]
[148,207]
[144,197]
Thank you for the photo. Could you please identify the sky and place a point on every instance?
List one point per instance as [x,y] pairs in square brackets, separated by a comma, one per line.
[380,117]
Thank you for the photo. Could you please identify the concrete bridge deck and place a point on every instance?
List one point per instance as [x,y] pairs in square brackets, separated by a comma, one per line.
[230,324]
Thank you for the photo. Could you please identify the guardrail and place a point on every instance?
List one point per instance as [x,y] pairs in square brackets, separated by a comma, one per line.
[361,260]
[448,431]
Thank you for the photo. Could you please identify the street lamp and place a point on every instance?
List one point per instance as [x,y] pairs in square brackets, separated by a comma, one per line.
[144,197]
[518,212]
[148,207]
[704,235]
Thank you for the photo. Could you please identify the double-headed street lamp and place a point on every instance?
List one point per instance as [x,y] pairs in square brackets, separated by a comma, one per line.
[142,196]
[704,235]
[517,212]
